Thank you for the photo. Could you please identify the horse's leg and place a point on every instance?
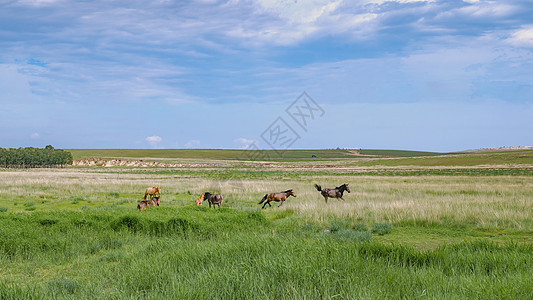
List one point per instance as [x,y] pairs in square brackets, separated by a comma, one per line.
[264,205]
[280,203]
[326,198]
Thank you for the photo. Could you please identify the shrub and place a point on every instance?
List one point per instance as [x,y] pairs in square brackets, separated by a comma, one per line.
[335,226]
[46,222]
[382,228]
[360,227]
[3,208]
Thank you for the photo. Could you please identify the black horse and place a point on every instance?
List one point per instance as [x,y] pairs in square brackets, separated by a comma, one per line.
[214,199]
[333,193]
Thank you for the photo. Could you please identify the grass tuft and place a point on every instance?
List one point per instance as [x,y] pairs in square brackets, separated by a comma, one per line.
[381,228]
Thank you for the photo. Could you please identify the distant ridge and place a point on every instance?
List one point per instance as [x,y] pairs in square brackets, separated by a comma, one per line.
[498,149]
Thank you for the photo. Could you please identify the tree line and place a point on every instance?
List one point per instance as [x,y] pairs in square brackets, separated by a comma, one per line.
[30,157]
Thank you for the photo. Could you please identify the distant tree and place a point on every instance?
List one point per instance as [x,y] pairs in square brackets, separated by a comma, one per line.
[30,157]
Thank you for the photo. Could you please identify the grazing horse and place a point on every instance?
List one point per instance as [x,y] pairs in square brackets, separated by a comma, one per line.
[200,199]
[145,203]
[333,193]
[278,197]
[214,199]
[152,192]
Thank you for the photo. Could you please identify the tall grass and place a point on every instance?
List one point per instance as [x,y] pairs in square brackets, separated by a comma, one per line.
[193,253]
[84,239]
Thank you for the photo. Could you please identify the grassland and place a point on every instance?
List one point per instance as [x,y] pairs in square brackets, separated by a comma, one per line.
[462,230]
[216,154]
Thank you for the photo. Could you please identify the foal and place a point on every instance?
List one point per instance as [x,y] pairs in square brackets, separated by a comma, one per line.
[200,199]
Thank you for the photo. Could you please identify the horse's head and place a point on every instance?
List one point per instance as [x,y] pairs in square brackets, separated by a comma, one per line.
[346,187]
[206,195]
[158,190]
[291,193]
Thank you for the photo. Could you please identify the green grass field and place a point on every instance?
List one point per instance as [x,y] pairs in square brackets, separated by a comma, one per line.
[217,154]
[459,230]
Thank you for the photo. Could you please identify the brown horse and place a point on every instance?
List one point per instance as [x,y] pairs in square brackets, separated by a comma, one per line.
[200,199]
[152,192]
[214,199]
[145,203]
[278,197]
[333,193]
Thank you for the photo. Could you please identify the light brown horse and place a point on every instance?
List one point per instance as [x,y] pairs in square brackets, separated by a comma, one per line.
[145,203]
[214,199]
[333,193]
[200,199]
[152,192]
[278,197]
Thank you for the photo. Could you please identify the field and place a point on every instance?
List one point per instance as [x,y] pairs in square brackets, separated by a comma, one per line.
[415,225]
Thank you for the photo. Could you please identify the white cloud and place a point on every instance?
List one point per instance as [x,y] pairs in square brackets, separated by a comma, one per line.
[192,144]
[244,143]
[154,140]
[291,22]
[478,9]
[35,136]
[522,37]
[38,2]
[398,1]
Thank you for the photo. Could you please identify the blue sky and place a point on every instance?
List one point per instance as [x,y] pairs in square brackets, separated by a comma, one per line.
[403,74]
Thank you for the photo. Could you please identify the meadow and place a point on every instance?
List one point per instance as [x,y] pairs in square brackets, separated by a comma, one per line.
[450,226]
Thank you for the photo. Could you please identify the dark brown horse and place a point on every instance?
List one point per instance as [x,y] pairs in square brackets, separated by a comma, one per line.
[214,199]
[146,203]
[278,197]
[333,193]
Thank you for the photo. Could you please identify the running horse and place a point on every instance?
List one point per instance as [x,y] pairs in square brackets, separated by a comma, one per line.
[278,197]
[333,193]
[153,191]
[213,199]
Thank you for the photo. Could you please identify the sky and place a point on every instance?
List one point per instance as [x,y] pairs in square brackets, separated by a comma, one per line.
[267,74]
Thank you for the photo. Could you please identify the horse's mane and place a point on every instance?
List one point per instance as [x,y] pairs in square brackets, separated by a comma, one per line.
[287,191]
[339,187]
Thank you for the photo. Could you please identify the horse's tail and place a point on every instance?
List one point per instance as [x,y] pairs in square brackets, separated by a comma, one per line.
[318,188]
[139,206]
[145,194]
[264,198]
